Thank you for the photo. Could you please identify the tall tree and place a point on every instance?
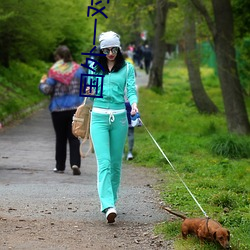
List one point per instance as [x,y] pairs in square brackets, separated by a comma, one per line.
[201,99]
[159,45]
[223,38]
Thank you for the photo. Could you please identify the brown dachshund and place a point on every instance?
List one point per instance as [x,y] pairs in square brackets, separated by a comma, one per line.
[204,229]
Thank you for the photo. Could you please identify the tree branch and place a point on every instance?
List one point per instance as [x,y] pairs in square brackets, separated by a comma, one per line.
[172,5]
[202,9]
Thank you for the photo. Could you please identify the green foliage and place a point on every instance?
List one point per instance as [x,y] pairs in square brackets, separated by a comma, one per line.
[19,87]
[241,17]
[219,183]
[175,25]
[42,28]
[231,146]
[243,59]
[135,17]
[224,200]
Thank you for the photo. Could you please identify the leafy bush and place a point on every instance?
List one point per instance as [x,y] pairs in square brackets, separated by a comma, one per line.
[231,146]
[223,200]
[19,87]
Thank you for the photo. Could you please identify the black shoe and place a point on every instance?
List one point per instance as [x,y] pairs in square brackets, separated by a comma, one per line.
[76,170]
[58,171]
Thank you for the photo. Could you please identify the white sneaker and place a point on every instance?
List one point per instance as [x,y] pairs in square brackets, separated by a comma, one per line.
[130,156]
[111,214]
[58,171]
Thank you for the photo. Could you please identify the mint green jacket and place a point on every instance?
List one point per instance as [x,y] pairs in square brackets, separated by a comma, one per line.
[115,85]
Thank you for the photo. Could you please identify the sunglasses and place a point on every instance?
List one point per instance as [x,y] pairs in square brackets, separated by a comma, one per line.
[106,51]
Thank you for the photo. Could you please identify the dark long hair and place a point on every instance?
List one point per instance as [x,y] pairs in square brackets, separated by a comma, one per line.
[119,62]
[64,53]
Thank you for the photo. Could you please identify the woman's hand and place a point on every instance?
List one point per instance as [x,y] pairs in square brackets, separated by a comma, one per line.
[134,109]
[88,91]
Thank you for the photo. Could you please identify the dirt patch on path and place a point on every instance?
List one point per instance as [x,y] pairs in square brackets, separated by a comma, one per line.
[50,234]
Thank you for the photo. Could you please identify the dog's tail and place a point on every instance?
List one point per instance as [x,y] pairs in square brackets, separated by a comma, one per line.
[175,213]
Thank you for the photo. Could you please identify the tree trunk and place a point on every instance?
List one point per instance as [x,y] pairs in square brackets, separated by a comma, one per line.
[201,99]
[235,109]
[223,38]
[159,47]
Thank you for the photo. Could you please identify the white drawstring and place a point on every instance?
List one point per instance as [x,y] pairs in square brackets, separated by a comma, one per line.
[111,117]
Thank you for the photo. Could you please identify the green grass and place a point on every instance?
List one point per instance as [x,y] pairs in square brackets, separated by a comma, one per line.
[19,87]
[214,164]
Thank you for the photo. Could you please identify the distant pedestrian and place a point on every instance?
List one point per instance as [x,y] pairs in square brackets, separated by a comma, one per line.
[139,56]
[63,84]
[130,133]
[147,54]
[128,109]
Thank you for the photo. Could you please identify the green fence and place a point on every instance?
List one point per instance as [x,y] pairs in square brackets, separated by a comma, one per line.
[208,58]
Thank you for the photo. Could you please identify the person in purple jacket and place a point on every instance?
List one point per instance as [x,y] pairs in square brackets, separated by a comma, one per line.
[63,84]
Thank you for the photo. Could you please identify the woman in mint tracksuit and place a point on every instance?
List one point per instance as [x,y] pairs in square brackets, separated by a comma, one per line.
[109,123]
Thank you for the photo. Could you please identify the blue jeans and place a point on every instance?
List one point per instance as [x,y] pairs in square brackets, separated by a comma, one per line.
[108,139]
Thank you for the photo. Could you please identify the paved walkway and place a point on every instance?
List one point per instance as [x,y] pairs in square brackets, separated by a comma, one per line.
[141,78]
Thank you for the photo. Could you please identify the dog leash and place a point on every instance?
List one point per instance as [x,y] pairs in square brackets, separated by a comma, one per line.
[174,170]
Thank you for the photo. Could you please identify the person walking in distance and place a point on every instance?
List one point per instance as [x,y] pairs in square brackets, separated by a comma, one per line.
[109,125]
[128,109]
[130,133]
[147,54]
[63,84]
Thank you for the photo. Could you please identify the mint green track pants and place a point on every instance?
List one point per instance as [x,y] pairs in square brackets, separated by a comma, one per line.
[108,136]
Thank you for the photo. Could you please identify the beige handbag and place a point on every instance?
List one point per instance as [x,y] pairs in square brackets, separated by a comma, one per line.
[81,126]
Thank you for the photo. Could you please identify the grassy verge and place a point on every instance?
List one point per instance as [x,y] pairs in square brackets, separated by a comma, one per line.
[212,163]
[19,88]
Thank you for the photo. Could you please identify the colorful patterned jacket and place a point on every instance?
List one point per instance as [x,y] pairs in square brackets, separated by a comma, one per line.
[64,96]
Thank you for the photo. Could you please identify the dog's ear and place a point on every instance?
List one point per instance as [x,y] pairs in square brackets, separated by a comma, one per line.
[228,237]
[214,235]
